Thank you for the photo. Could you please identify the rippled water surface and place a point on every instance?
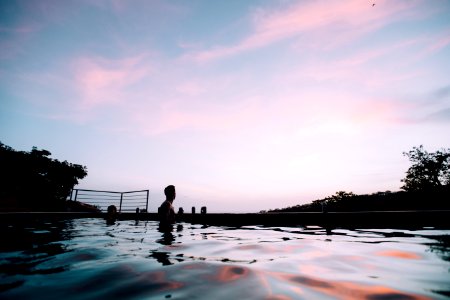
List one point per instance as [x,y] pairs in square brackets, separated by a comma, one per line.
[88,259]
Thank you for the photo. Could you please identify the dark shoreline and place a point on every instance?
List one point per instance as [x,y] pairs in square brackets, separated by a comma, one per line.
[365,219]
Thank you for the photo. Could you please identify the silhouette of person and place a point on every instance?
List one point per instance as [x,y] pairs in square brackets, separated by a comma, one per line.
[166,211]
[111,215]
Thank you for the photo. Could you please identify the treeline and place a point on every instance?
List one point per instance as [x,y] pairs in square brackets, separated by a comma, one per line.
[426,187]
[432,199]
[33,181]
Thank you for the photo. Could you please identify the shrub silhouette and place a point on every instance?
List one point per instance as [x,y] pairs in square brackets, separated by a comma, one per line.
[426,187]
[34,181]
[429,169]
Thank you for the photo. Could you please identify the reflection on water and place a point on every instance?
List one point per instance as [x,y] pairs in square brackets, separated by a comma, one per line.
[442,247]
[89,259]
[399,254]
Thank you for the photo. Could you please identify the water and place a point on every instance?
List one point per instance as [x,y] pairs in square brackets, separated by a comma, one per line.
[88,259]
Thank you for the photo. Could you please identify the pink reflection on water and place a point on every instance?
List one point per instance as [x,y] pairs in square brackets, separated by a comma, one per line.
[399,254]
[341,289]
[278,297]
[160,277]
[231,273]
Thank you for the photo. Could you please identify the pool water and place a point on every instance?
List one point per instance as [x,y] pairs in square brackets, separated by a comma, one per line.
[88,259]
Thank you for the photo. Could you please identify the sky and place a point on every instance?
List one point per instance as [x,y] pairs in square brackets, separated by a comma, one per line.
[242,105]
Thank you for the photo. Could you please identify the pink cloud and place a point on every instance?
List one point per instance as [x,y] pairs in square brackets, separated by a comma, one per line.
[172,117]
[439,43]
[372,54]
[103,81]
[309,18]
[325,112]
[191,88]
[368,68]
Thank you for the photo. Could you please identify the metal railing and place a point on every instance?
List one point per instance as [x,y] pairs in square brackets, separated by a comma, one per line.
[124,201]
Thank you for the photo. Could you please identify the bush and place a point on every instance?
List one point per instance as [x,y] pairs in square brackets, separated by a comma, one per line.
[34,181]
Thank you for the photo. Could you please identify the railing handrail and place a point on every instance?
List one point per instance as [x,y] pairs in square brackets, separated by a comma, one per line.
[109,192]
[134,191]
[97,191]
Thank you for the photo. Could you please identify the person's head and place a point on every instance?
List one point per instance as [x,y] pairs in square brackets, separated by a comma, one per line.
[112,210]
[112,215]
[169,191]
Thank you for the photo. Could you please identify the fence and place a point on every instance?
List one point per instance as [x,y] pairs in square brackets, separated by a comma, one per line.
[124,201]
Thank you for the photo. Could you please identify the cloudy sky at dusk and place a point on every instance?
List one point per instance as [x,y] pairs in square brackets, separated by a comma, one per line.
[242,105]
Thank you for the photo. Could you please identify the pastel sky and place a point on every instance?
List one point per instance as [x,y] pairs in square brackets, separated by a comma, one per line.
[242,105]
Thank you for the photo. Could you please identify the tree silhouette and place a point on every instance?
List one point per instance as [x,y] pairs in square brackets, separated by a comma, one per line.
[32,180]
[428,170]
[426,187]
[339,196]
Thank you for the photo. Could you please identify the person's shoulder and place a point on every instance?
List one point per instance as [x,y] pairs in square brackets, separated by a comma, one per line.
[165,204]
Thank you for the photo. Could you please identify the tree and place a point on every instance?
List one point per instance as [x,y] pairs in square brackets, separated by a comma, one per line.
[35,181]
[428,170]
[339,196]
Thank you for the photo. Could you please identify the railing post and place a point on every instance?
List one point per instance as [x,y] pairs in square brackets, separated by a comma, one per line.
[146,205]
[120,205]
[76,195]
[71,193]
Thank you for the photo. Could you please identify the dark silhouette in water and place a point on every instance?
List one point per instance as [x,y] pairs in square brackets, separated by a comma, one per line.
[34,242]
[32,181]
[112,215]
[166,211]
[167,239]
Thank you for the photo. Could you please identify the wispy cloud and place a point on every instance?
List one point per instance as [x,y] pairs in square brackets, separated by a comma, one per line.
[104,81]
[439,43]
[442,115]
[360,67]
[309,18]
